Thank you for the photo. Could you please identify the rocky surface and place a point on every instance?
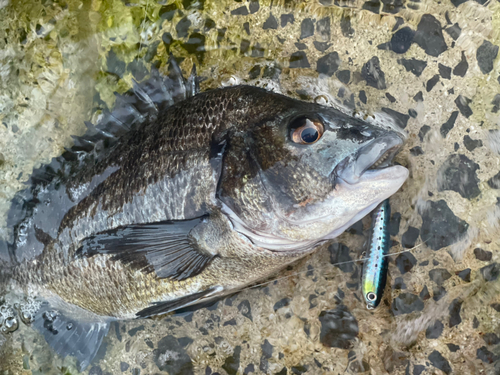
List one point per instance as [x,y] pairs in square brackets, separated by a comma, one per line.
[428,67]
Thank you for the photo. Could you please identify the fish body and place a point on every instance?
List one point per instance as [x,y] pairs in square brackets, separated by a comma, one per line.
[180,197]
[375,266]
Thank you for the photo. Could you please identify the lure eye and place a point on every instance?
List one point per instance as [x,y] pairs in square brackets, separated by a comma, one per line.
[371,296]
[306,131]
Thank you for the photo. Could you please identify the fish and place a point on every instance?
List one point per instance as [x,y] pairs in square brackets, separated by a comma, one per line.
[375,267]
[179,197]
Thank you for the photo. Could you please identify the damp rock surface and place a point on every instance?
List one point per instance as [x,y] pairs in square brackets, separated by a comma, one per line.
[338,328]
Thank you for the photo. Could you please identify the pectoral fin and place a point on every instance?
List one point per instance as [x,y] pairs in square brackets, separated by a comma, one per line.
[166,248]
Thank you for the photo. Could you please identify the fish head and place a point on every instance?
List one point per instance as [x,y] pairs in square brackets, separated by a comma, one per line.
[301,173]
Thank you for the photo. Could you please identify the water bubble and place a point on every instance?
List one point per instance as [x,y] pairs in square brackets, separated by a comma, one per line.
[27,317]
[50,315]
[69,326]
[10,324]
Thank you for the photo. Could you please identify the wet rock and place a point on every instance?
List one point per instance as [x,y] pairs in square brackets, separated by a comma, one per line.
[486,356]
[185,341]
[114,64]
[461,68]
[391,98]
[491,339]
[306,28]
[346,27]
[496,103]
[95,370]
[271,23]
[400,118]
[464,274]
[328,64]
[394,223]
[418,369]
[453,348]
[301,46]
[284,371]
[412,113]
[410,237]
[124,366]
[245,310]
[286,19]
[416,151]
[455,308]
[362,96]
[458,173]
[338,328]
[423,132]
[424,294]
[471,144]
[432,82]
[413,65]
[475,322]
[494,182]
[356,228]
[267,352]
[300,369]
[254,72]
[406,303]
[439,275]
[344,76]
[402,39]
[434,331]
[195,45]
[438,292]
[250,368]
[490,272]
[133,331]
[254,6]
[323,28]
[429,36]
[241,11]
[258,51]
[463,105]
[299,60]
[405,262]
[440,227]
[373,74]
[486,55]
[321,46]
[454,31]
[399,284]
[281,303]
[483,255]
[231,322]
[444,71]
[232,363]
[449,124]
[182,27]
[438,361]
[171,357]
[339,253]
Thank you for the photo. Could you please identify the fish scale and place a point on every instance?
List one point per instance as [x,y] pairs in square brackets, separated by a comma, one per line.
[375,267]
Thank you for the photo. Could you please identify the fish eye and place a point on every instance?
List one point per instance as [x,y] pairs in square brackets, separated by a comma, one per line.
[371,296]
[306,131]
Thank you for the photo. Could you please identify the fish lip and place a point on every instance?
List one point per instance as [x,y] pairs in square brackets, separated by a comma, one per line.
[377,154]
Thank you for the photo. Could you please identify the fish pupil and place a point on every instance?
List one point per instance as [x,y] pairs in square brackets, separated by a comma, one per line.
[309,135]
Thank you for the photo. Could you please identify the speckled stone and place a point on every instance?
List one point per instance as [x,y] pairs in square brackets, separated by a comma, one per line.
[483,255]
[171,357]
[299,60]
[406,303]
[328,64]
[124,366]
[440,226]
[339,253]
[449,124]
[306,28]
[471,144]
[271,23]
[429,36]
[464,274]
[463,105]
[232,363]
[486,55]
[432,82]
[344,76]
[438,292]
[373,74]
[444,71]
[423,131]
[458,173]
[454,31]
[424,293]
[418,369]
[453,348]
[410,237]
[323,28]
[435,330]
[491,338]
[338,328]
[440,362]
[455,308]
[486,356]
[245,309]
[405,262]
[402,39]
[490,272]
[416,151]
[413,65]
[399,284]
[346,27]
[461,68]
[439,275]
[401,119]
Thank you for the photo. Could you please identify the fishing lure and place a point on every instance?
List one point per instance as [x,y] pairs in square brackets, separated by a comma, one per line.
[375,267]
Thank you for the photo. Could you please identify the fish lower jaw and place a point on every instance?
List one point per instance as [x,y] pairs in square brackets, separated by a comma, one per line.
[396,174]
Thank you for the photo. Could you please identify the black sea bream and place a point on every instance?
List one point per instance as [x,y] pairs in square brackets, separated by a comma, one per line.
[179,197]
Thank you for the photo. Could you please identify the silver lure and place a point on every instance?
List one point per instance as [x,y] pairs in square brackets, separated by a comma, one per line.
[375,267]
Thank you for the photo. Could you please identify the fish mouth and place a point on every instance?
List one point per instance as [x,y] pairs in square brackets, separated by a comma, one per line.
[376,155]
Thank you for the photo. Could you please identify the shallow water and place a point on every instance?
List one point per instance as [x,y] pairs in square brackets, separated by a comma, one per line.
[60,64]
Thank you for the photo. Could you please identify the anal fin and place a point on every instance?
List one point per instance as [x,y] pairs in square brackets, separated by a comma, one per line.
[164,307]
[73,333]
